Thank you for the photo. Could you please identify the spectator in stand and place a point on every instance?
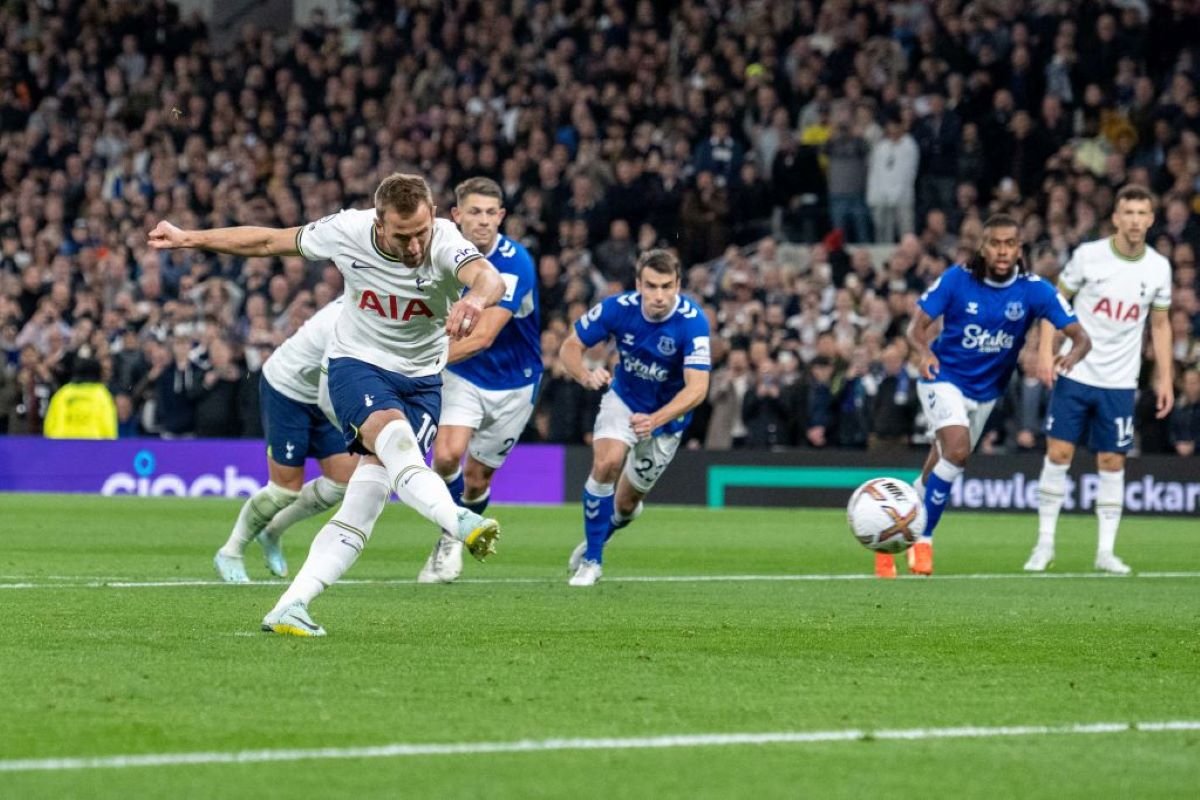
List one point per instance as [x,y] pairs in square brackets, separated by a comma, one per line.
[217,398]
[819,416]
[894,403]
[177,383]
[1185,419]
[848,154]
[720,154]
[83,408]
[891,182]
[731,382]
[937,135]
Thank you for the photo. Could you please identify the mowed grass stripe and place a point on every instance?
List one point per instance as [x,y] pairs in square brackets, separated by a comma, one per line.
[549,745]
[84,582]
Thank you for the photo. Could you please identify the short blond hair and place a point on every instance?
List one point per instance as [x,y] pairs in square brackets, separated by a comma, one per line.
[484,187]
[403,194]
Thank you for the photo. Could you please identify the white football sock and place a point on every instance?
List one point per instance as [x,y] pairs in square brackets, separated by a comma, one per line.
[415,484]
[1052,491]
[618,517]
[597,488]
[1110,500]
[919,487]
[319,494]
[256,513]
[338,544]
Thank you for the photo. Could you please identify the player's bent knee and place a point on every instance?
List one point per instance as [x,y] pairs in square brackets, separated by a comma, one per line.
[1110,462]
[445,463]
[1059,452]
[957,453]
[606,472]
[374,425]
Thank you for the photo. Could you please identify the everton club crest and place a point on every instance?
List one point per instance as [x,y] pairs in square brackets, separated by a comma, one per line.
[666,345]
[1014,310]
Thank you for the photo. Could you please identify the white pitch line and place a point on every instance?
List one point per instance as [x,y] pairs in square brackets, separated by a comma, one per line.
[400,750]
[87,582]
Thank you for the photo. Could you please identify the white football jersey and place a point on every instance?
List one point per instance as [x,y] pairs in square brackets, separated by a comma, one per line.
[294,369]
[394,317]
[1113,298]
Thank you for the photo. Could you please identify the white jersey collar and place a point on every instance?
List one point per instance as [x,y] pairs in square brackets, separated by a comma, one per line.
[678,300]
[495,246]
[1005,284]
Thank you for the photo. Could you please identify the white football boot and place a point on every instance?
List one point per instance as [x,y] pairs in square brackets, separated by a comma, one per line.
[292,621]
[478,533]
[273,553]
[445,563]
[232,569]
[588,574]
[1108,562]
[1040,559]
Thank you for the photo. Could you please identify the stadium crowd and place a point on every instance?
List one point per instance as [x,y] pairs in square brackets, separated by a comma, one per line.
[816,165]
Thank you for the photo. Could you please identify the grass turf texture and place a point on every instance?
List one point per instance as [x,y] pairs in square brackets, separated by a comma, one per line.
[113,671]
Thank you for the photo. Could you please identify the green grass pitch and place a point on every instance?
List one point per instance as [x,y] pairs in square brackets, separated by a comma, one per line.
[91,668]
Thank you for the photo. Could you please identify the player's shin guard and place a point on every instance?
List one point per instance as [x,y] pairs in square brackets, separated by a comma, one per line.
[478,504]
[457,485]
[319,494]
[257,512]
[937,493]
[337,545]
[1110,500]
[1052,490]
[415,484]
[597,517]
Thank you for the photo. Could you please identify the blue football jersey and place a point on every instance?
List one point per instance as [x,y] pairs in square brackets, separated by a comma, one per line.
[515,357]
[984,326]
[653,355]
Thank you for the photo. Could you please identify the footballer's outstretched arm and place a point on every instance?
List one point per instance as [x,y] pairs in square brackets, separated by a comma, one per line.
[245,240]
[1081,343]
[920,336]
[695,389]
[1164,361]
[486,288]
[570,355]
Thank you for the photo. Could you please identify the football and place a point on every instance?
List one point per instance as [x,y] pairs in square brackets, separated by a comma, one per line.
[886,515]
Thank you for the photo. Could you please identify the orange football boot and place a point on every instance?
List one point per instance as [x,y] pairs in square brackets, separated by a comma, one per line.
[920,558]
[885,565]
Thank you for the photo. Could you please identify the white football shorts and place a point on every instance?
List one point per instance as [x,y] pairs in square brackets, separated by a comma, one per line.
[945,405]
[648,458]
[498,416]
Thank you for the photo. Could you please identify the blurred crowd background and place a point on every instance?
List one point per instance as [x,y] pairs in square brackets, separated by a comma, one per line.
[815,164]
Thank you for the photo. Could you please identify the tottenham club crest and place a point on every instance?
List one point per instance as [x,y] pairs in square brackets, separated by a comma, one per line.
[666,345]
[1014,310]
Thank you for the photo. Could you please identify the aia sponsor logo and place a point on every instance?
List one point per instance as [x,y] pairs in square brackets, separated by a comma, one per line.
[1117,310]
[389,306]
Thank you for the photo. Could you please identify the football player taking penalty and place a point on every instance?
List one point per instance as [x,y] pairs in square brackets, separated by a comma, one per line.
[662,371]
[1117,284]
[404,271]
[987,308]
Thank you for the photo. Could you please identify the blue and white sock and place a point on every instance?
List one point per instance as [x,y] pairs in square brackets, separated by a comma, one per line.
[597,517]
[620,521]
[477,504]
[937,493]
[457,484]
